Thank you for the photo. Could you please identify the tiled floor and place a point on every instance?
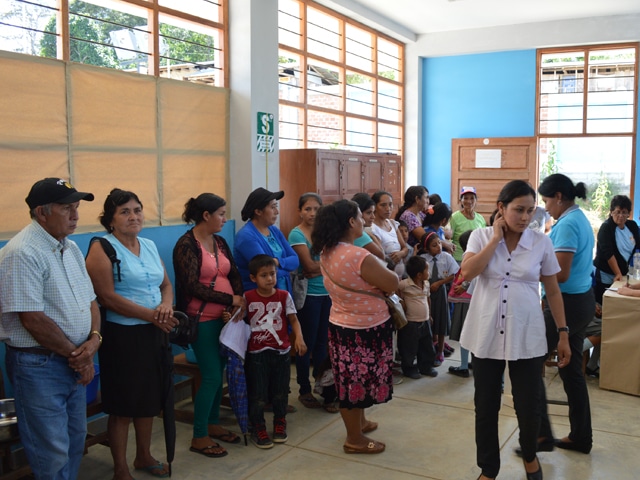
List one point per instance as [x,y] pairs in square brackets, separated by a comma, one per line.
[429,431]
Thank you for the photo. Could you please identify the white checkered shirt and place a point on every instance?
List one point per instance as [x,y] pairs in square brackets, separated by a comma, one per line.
[40,274]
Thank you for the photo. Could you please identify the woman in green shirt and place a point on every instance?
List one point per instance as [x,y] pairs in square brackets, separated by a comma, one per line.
[465,219]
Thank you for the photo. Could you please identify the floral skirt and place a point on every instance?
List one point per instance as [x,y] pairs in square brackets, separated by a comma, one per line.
[362,362]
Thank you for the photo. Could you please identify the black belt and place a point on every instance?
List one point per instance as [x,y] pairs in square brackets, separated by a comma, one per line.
[34,350]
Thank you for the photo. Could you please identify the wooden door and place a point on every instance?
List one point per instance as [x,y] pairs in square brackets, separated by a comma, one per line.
[351,176]
[372,174]
[329,170]
[392,178]
[487,164]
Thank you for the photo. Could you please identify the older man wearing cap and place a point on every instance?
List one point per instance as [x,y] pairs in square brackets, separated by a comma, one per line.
[50,323]
[260,235]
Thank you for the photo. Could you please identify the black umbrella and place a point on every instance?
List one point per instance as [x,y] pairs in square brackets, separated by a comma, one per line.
[168,405]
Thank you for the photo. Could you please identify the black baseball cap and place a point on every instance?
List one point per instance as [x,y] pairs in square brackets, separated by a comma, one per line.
[257,200]
[54,190]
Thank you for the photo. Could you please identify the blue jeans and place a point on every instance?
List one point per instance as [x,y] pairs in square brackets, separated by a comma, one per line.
[314,322]
[52,413]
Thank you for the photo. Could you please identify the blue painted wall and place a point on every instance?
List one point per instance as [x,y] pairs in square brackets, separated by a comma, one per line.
[473,96]
[477,96]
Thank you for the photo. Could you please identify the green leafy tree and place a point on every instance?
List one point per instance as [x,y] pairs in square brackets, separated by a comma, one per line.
[601,196]
[552,164]
[90,27]
[187,46]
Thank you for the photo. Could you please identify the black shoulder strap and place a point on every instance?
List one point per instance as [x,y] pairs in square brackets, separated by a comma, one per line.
[110,251]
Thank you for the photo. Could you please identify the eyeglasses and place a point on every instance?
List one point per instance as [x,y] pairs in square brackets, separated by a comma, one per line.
[620,214]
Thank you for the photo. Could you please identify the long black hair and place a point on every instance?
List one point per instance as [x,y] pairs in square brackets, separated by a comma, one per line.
[332,224]
[410,197]
[436,214]
[205,202]
[563,184]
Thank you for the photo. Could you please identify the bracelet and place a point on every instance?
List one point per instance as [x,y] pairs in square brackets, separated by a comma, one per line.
[563,329]
[96,332]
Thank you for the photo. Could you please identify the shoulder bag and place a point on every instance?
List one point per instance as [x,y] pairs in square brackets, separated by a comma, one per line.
[186,332]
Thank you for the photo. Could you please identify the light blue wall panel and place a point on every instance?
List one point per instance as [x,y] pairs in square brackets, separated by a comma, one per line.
[471,96]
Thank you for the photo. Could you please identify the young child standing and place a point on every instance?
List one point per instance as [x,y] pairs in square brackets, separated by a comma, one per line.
[415,340]
[267,367]
[442,269]
[460,296]
[436,217]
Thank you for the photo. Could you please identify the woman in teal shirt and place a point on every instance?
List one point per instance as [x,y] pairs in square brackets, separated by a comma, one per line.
[314,315]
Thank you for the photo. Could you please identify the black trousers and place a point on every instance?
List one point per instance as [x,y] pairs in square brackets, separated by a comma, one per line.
[579,310]
[525,387]
[415,340]
[268,373]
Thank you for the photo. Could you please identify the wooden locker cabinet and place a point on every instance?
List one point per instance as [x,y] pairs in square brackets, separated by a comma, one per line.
[334,174]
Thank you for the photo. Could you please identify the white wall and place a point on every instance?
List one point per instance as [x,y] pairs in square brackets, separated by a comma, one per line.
[253,51]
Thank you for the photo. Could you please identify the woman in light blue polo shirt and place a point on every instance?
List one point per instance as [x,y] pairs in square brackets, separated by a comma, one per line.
[572,237]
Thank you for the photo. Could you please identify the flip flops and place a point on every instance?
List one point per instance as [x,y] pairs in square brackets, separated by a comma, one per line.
[370,427]
[156,470]
[228,437]
[309,401]
[371,447]
[330,407]
[203,451]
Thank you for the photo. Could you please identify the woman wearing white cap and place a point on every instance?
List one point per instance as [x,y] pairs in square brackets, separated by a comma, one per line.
[465,219]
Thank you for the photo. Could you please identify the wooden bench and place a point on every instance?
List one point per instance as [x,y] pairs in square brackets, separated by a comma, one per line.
[183,367]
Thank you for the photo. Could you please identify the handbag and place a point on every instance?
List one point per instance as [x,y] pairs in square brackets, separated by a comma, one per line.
[299,286]
[396,312]
[186,332]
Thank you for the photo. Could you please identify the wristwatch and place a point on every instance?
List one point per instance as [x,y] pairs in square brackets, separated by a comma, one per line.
[563,329]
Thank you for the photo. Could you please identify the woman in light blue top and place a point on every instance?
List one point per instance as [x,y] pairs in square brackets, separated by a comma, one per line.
[135,353]
[314,315]
[572,237]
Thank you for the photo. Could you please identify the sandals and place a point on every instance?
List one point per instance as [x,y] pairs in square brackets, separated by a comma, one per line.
[369,427]
[204,451]
[331,407]
[228,437]
[371,447]
[157,470]
[309,401]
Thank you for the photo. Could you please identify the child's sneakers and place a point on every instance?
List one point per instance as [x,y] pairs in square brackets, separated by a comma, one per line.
[439,359]
[260,437]
[280,430]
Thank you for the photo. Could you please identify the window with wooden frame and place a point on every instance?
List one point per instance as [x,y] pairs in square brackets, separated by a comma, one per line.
[586,119]
[340,83]
[178,39]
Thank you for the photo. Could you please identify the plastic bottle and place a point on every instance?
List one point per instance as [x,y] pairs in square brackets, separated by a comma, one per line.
[636,264]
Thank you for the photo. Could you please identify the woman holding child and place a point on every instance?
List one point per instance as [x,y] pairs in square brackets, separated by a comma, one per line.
[386,229]
[207,281]
[509,326]
[416,199]
[360,330]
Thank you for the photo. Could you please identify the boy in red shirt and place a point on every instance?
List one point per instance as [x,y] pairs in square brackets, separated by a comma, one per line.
[270,311]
